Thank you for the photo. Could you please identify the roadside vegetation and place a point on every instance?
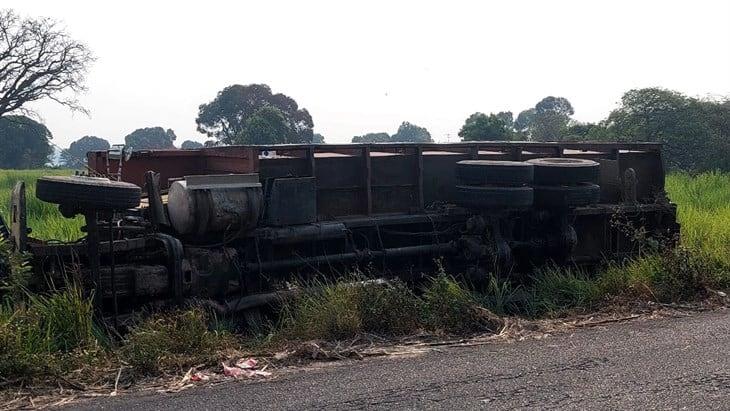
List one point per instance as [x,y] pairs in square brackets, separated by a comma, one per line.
[54,336]
[43,218]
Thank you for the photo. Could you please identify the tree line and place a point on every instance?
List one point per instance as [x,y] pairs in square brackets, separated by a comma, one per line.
[39,60]
[695,131]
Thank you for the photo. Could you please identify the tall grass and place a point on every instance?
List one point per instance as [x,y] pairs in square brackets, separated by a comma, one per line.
[44,219]
[337,310]
[45,334]
[701,262]
[704,212]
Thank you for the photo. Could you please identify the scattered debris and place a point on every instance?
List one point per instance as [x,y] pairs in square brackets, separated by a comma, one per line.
[199,376]
[245,368]
[231,371]
[247,364]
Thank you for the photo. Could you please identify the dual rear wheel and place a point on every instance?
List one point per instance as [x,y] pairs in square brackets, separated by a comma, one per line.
[515,185]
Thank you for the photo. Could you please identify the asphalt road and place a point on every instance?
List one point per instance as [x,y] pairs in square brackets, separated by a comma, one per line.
[665,363]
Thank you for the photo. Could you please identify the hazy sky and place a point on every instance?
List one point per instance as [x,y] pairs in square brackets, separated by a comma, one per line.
[367,66]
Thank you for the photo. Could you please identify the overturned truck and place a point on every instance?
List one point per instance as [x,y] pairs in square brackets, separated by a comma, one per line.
[233,225]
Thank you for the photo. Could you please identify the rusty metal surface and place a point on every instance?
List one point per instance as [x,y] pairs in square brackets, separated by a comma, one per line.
[364,179]
[18,217]
[291,201]
[206,204]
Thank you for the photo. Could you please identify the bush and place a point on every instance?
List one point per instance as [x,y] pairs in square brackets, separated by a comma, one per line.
[391,308]
[44,334]
[558,290]
[346,309]
[501,297]
[451,307]
[174,341]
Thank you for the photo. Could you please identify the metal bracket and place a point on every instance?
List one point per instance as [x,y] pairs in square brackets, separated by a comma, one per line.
[157,209]
[175,252]
[630,184]
[18,217]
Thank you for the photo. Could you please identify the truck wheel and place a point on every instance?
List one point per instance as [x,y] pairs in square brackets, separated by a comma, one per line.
[494,197]
[556,171]
[567,196]
[88,192]
[485,172]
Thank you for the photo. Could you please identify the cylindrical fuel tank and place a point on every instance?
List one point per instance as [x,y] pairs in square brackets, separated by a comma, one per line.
[228,203]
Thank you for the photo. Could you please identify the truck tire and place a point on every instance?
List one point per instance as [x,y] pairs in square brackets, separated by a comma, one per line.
[486,172]
[557,171]
[88,192]
[494,197]
[582,194]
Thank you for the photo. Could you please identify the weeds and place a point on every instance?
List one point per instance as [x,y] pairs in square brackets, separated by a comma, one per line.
[392,309]
[451,307]
[335,311]
[174,341]
[502,297]
[42,334]
[15,273]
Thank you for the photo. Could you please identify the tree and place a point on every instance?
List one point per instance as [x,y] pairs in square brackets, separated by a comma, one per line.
[268,125]
[551,118]
[226,116]
[372,138]
[75,155]
[480,127]
[524,120]
[24,142]
[557,105]
[190,145]
[317,138]
[411,133]
[39,60]
[577,131]
[695,132]
[150,138]
[507,119]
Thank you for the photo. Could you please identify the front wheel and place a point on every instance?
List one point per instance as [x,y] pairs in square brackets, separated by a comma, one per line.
[92,193]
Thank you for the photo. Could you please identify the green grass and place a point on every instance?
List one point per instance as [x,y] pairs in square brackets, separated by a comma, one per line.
[338,310]
[44,219]
[46,334]
[175,341]
[704,212]
[345,309]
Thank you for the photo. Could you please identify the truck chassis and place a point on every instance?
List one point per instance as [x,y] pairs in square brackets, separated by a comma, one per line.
[234,225]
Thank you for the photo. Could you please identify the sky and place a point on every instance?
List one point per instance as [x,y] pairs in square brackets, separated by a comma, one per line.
[367,66]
